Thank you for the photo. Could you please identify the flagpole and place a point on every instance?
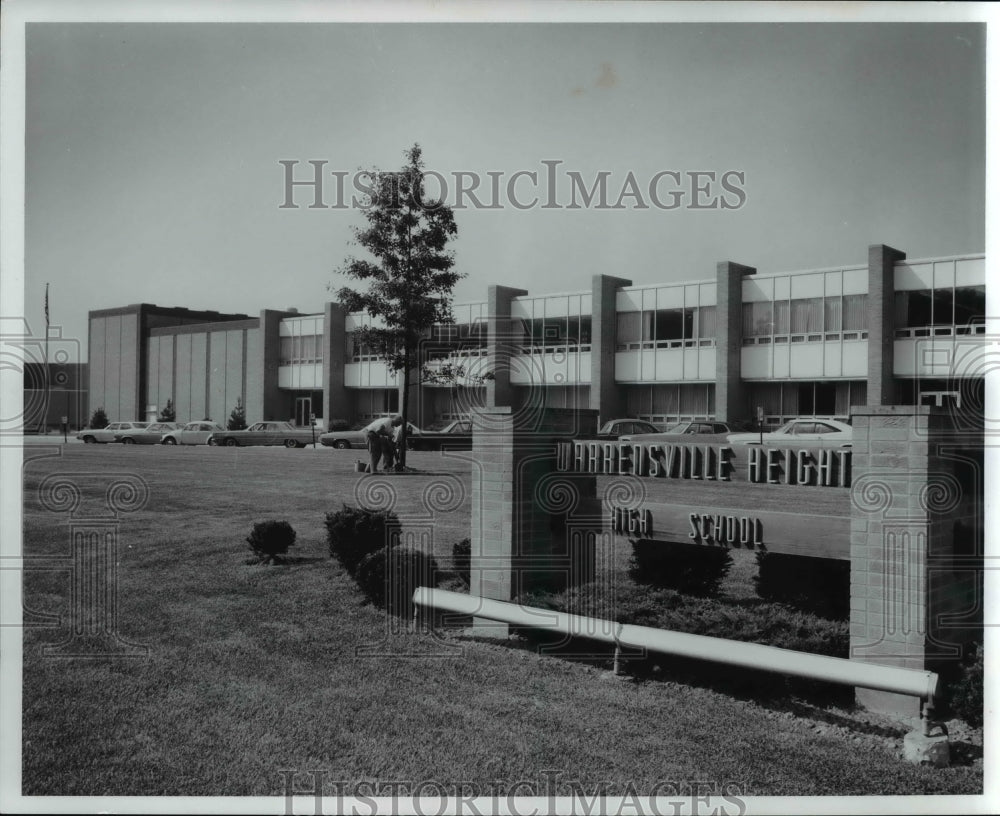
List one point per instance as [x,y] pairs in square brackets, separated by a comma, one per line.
[45,405]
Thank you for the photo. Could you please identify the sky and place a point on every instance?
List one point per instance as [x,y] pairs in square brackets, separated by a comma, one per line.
[153,150]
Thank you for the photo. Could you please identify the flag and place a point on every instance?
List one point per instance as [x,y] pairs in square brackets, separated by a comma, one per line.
[46,305]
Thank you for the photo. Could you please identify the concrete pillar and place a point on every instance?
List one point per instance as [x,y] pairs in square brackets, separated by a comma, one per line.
[521,505]
[605,394]
[336,399]
[906,504]
[881,323]
[501,341]
[730,402]
[272,406]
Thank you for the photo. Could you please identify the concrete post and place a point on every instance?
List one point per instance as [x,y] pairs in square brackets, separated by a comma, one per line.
[499,348]
[605,395]
[521,505]
[336,398]
[730,403]
[881,323]
[906,504]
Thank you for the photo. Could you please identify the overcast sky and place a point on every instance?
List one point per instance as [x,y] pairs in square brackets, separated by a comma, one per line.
[153,150]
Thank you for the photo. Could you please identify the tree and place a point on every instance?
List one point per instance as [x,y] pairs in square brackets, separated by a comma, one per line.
[238,418]
[168,414]
[410,280]
[99,419]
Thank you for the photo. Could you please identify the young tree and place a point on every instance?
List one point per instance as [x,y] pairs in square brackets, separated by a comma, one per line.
[99,419]
[168,414]
[238,418]
[410,280]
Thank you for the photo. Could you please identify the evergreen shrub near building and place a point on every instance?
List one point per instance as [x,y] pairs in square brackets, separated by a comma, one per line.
[461,556]
[692,569]
[389,577]
[964,695]
[270,540]
[99,419]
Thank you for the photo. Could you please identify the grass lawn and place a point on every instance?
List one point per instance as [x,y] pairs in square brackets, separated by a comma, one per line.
[253,670]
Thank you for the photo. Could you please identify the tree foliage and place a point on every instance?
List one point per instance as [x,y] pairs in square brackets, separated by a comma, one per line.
[409,277]
[168,414]
[99,419]
[238,418]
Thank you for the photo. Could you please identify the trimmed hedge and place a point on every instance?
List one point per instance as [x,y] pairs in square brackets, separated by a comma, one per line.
[389,577]
[693,569]
[964,695]
[355,532]
[821,586]
[461,556]
[270,540]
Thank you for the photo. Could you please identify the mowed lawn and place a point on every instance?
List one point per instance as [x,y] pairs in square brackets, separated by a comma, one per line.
[254,670]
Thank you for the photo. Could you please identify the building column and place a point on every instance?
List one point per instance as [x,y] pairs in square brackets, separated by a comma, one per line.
[605,393]
[730,402]
[500,345]
[270,346]
[881,323]
[336,400]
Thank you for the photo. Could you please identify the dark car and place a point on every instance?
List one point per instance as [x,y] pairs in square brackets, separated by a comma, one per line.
[617,428]
[454,434]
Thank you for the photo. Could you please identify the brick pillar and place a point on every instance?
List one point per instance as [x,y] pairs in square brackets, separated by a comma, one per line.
[905,502]
[605,395]
[881,323]
[500,335]
[730,403]
[521,505]
[270,342]
[336,399]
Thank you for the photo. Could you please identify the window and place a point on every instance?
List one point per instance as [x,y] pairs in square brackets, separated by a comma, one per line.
[807,315]
[914,308]
[758,319]
[822,427]
[970,306]
[854,313]
[832,314]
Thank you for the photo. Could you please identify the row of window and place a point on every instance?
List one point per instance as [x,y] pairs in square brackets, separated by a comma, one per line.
[810,319]
[932,311]
[300,350]
[666,328]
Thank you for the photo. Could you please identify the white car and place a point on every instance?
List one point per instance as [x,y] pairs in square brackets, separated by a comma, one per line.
[825,432]
[110,433]
[150,435]
[194,433]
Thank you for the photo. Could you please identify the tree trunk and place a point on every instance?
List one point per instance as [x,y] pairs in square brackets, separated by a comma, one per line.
[404,413]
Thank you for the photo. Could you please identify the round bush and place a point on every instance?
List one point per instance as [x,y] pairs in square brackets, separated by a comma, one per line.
[270,540]
[693,569]
[389,577]
[821,586]
[354,532]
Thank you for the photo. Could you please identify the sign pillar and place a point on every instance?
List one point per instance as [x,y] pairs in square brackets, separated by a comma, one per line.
[907,502]
[523,508]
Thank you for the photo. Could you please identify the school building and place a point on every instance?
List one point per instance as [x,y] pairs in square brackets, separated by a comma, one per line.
[888,330]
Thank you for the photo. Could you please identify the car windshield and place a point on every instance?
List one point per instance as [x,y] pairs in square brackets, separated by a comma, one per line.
[439,425]
[785,429]
[680,427]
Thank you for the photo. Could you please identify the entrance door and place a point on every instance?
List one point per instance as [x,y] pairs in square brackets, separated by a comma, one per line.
[303,409]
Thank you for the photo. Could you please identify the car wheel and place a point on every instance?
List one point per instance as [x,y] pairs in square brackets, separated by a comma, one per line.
[89,440]
[169,441]
[342,444]
[291,443]
[128,441]
[231,443]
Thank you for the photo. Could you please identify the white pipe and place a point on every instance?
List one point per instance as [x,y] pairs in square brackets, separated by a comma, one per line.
[915,682]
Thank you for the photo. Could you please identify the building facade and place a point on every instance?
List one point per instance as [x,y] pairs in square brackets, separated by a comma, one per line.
[730,346]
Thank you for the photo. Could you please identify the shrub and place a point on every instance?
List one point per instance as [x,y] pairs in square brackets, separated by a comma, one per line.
[99,419]
[693,569]
[964,695]
[238,418]
[338,425]
[821,586]
[389,577]
[168,414]
[270,540]
[461,556]
[354,532]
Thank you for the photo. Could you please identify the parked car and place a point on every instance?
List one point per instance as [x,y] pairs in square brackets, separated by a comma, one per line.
[454,434]
[616,428]
[825,432]
[150,435]
[359,438]
[265,433]
[193,433]
[108,434]
[693,431]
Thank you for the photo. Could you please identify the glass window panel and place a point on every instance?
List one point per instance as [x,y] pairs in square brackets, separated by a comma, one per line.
[855,317]
[943,311]
[913,308]
[629,327]
[970,305]
[669,324]
[706,321]
[807,315]
[285,351]
[782,319]
[831,314]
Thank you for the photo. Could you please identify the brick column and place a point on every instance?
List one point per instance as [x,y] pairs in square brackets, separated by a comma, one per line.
[336,400]
[605,394]
[270,347]
[730,403]
[881,323]
[499,346]
[905,502]
[521,506]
